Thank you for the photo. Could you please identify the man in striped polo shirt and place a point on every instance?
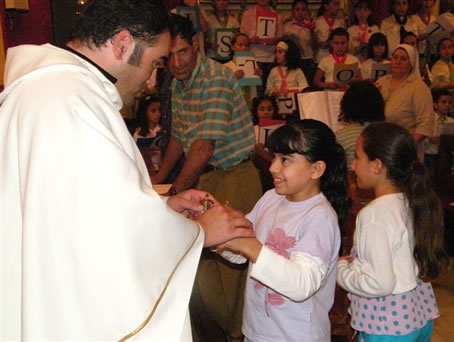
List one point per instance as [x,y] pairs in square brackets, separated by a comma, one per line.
[212,127]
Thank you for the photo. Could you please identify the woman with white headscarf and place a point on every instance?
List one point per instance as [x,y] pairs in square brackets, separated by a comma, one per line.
[408,101]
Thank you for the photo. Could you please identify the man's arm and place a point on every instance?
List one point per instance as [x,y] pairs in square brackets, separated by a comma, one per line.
[198,156]
[173,153]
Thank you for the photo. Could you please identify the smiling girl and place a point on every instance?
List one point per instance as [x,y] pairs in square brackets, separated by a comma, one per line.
[291,277]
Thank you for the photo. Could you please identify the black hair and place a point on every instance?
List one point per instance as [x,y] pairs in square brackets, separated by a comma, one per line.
[316,142]
[255,105]
[141,114]
[377,38]
[408,34]
[322,9]
[441,41]
[393,2]
[103,19]
[339,32]
[394,146]
[292,55]
[233,41]
[437,93]
[295,2]
[181,26]
[362,102]
[367,4]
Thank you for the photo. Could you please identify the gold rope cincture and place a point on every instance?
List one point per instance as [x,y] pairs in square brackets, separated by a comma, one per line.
[150,316]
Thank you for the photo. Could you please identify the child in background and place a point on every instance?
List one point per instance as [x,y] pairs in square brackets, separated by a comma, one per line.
[148,117]
[218,18]
[397,24]
[292,270]
[264,107]
[398,240]
[327,20]
[240,42]
[363,27]
[339,55]
[442,105]
[263,52]
[361,104]
[286,76]
[443,69]
[301,30]
[377,52]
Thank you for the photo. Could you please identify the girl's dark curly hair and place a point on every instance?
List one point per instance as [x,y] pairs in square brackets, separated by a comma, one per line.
[292,55]
[362,102]
[316,141]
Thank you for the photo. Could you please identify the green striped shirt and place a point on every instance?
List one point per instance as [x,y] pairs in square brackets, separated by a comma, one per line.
[211,107]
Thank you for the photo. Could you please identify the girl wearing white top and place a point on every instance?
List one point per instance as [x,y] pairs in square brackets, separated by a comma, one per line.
[395,26]
[361,30]
[377,52]
[286,76]
[443,69]
[291,276]
[325,24]
[397,242]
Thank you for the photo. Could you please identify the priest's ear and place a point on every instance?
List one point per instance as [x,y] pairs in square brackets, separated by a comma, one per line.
[122,45]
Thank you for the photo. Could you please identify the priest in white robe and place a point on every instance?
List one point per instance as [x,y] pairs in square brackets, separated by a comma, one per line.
[88,250]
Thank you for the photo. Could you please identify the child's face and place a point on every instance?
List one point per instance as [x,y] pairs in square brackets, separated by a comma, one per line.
[299,11]
[363,167]
[412,41]
[241,44]
[400,7]
[446,49]
[378,50]
[362,12]
[294,176]
[154,112]
[221,5]
[339,45]
[190,3]
[280,56]
[332,7]
[444,104]
[263,3]
[265,110]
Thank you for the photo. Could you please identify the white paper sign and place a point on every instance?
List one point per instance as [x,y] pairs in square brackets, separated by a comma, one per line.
[223,40]
[439,29]
[246,61]
[380,69]
[344,73]
[265,132]
[322,106]
[266,27]
[287,103]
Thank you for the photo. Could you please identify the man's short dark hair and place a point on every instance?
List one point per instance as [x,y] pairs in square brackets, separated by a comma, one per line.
[181,26]
[339,32]
[103,19]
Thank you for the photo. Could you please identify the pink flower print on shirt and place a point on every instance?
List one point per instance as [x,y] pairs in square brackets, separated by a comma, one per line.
[280,243]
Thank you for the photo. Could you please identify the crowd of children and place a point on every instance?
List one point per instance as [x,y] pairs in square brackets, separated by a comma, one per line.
[294,256]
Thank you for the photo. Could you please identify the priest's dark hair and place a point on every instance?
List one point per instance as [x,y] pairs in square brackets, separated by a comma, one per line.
[101,20]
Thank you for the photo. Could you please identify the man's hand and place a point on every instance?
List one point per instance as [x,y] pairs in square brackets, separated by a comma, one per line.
[189,200]
[222,223]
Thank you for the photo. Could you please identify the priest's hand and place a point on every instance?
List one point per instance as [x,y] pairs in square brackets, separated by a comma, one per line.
[190,200]
[222,223]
